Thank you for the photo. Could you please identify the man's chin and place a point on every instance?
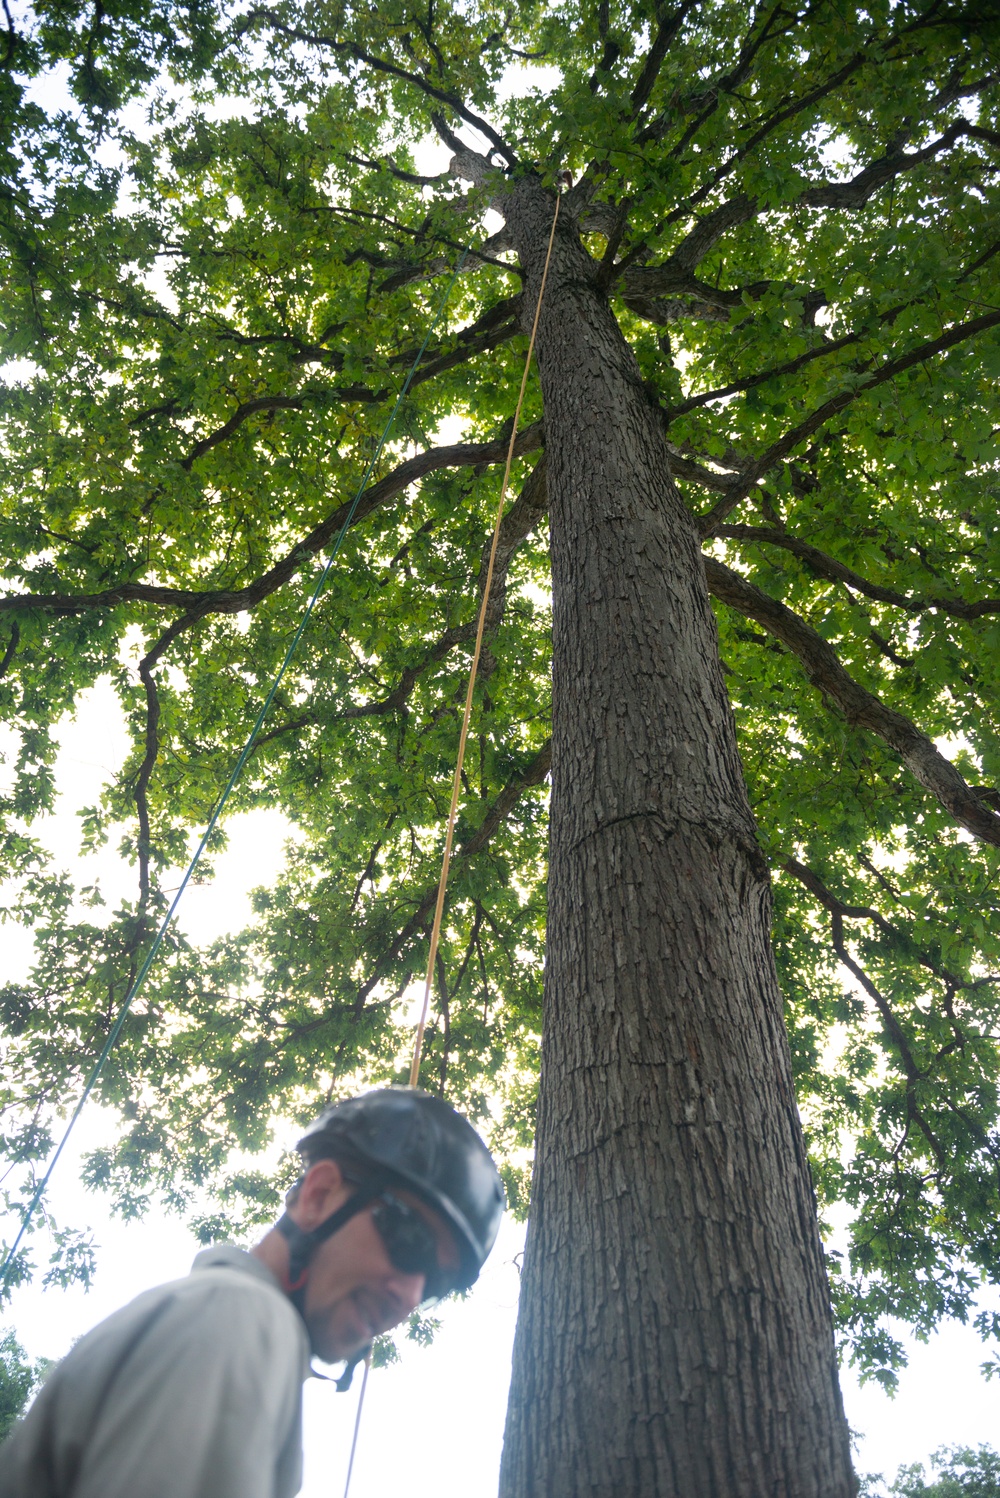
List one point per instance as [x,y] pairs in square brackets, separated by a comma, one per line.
[335,1347]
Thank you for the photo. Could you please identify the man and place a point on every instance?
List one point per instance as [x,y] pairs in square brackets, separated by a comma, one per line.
[194,1389]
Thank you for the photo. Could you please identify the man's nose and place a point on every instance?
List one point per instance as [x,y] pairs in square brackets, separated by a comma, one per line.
[408,1291]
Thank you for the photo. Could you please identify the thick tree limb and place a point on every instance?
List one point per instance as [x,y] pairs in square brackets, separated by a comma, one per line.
[829,567]
[235,601]
[683,467]
[861,708]
[662,294]
[849,196]
[668,24]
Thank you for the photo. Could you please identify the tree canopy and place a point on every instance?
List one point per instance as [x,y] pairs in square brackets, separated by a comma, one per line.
[212,302]
[957,1473]
[18,1380]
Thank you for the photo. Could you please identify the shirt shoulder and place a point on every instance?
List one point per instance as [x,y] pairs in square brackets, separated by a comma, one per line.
[224,1341]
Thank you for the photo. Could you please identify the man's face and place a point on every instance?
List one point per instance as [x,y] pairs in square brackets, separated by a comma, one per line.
[354,1291]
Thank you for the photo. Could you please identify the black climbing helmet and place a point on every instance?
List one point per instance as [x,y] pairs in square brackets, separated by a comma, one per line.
[404,1137]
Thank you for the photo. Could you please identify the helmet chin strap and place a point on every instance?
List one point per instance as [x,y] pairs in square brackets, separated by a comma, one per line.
[303,1244]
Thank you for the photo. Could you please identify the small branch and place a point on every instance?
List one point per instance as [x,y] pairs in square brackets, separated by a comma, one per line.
[533,774]
[386,164]
[850,196]
[891,1023]
[958,333]
[518,523]
[442,988]
[378,707]
[897,1036]
[140,794]
[830,902]
[827,346]
[11,650]
[708,96]
[369,868]
[835,906]
[251,408]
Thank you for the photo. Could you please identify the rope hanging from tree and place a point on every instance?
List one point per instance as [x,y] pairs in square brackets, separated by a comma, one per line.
[456,784]
[460,760]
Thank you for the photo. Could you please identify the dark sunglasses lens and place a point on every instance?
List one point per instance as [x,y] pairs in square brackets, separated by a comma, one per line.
[410,1243]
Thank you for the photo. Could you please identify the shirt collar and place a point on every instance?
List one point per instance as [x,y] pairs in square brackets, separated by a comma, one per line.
[228,1256]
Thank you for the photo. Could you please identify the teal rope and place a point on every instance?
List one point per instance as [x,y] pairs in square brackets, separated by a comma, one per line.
[317,591]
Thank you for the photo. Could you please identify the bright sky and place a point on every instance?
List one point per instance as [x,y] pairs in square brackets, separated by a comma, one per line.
[440,1411]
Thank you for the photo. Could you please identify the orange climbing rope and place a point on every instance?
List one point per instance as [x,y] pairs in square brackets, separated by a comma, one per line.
[457,781]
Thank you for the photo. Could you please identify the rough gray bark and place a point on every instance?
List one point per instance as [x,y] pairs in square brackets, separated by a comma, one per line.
[674,1336]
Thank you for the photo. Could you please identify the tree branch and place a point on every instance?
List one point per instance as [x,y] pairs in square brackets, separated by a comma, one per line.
[829,567]
[235,601]
[896,1034]
[518,523]
[482,336]
[830,902]
[391,69]
[140,793]
[411,675]
[668,25]
[251,408]
[827,346]
[861,708]
[683,467]
[740,209]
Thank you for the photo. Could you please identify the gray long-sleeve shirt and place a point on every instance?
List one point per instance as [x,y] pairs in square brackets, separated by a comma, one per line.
[194,1390]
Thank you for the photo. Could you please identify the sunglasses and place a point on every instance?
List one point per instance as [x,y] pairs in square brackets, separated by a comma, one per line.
[411,1245]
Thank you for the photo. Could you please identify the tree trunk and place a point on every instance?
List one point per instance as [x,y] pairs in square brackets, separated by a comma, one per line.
[674,1337]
